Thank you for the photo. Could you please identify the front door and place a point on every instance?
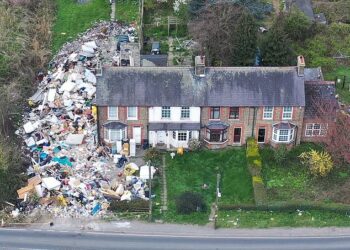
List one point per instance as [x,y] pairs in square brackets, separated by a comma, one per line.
[261,135]
[161,136]
[136,134]
[237,135]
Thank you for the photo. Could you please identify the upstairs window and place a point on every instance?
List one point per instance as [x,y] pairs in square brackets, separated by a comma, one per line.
[185,112]
[234,113]
[268,113]
[166,112]
[287,113]
[112,113]
[215,113]
[132,113]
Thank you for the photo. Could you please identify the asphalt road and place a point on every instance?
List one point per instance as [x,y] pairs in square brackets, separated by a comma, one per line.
[44,239]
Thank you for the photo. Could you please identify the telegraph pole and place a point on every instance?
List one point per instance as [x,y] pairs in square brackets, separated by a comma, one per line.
[218,194]
[150,190]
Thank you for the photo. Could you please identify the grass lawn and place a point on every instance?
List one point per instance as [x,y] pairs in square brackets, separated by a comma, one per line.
[292,181]
[341,71]
[264,219]
[190,171]
[73,18]
[127,10]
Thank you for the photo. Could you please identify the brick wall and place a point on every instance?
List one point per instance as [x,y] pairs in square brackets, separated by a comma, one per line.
[245,122]
[142,120]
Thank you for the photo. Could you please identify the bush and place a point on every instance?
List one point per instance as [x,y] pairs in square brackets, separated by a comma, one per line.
[319,163]
[194,145]
[153,155]
[189,202]
[130,206]
[280,154]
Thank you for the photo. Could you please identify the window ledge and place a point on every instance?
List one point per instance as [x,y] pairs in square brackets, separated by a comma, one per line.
[231,119]
[215,119]
[112,119]
[132,119]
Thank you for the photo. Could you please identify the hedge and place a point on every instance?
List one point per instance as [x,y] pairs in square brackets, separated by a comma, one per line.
[129,206]
[254,165]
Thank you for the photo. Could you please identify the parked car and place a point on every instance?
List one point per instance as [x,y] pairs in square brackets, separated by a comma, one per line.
[155,48]
[122,39]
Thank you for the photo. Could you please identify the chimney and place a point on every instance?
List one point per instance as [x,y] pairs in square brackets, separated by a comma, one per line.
[301,65]
[199,66]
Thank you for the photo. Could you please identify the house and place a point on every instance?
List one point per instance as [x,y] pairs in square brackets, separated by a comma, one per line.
[222,106]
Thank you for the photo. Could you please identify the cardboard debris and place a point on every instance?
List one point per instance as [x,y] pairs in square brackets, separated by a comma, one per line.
[74,139]
[51,183]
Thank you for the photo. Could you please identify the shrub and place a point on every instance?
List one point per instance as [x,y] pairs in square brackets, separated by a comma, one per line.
[319,163]
[131,206]
[280,154]
[194,144]
[153,155]
[189,202]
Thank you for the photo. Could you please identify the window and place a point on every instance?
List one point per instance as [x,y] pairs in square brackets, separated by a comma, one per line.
[185,112]
[287,113]
[174,134]
[216,135]
[215,113]
[165,112]
[268,113]
[112,113]
[113,135]
[234,113]
[283,135]
[316,129]
[182,136]
[189,135]
[132,113]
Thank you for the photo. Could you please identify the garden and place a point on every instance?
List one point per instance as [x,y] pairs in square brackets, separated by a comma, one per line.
[127,11]
[196,172]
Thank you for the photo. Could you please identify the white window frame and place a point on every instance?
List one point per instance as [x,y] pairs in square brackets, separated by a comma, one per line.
[277,135]
[268,114]
[287,115]
[166,110]
[185,112]
[182,135]
[311,129]
[108,113]
[120,134]
[130,117]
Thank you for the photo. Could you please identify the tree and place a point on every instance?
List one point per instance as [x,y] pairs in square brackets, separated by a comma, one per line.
[319,163]
[227,34]
[244,40]
[275,47]
[296,25]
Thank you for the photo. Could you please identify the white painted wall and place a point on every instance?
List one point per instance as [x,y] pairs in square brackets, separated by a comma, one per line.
[155,115]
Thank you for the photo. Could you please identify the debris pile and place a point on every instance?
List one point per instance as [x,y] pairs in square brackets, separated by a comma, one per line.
[70,174]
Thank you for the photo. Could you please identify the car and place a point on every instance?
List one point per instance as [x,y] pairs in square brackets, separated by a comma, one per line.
[155,48]
[122,39]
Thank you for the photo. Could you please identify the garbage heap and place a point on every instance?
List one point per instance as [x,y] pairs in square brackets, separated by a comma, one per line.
[70,175]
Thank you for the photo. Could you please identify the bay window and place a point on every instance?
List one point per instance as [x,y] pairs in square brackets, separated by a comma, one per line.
[283,132]
[113,135]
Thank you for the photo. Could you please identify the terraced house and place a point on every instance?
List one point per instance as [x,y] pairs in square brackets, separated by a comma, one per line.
[222,106]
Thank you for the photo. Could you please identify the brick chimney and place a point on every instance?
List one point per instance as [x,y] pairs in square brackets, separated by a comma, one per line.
[301,65]
[199,66]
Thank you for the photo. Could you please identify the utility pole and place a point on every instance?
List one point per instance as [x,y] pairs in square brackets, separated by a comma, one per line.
[150,190]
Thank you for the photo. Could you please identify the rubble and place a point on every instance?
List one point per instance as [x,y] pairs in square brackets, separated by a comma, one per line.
[70,174]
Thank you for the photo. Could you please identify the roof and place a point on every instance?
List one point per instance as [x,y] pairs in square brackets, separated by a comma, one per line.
[156,126]
[154,60]
[313,74]
[284,125]
[304,5]
[320,100]
[217,125]
[178,86]
[114,125]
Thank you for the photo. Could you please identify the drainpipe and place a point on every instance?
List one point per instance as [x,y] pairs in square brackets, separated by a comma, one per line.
[254,120]
[98,126]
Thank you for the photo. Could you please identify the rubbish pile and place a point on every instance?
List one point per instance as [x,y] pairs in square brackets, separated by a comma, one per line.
[70,174]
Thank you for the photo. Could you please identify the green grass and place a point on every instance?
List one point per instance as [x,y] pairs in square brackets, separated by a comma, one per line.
[340,72]
[127,10]
[73,18]
[190,171]
[265,219]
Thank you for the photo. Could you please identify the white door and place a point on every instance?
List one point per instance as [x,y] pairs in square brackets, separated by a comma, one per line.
[161,136]
[136,133]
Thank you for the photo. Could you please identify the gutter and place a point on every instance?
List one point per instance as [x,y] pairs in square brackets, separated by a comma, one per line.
[254,120]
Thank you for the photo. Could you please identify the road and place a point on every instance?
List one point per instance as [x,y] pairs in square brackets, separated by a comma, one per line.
[49,239]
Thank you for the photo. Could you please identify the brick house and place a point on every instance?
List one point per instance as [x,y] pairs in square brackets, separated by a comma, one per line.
[222,106]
